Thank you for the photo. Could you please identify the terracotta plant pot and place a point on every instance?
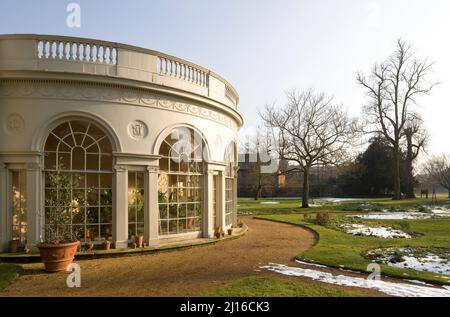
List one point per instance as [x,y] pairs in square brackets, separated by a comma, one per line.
[106,245]
[217,234]
[57,257]
[139,240]
[230,232]
[14,246]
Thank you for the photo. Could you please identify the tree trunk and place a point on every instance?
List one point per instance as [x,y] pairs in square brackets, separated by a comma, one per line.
[449,193]
[258,192]
[397,189]
[305,196]
[409,190]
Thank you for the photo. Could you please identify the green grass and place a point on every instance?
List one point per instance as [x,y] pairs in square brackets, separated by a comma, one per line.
[336,248]
[8,272]
[290,205]
[258,286]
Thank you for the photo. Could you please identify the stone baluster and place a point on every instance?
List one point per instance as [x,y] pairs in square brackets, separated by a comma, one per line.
[91,52]
[99,55]
[52,50]
[64,50]
[85,52]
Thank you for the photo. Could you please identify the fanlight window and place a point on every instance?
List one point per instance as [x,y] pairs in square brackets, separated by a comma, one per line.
[78,179]
[180,182]
[230,178]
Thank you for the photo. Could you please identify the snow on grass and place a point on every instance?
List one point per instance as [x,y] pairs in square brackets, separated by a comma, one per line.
[399,215]
[423,212]
[269,203]
[380,232]
[410,258]
[389,288]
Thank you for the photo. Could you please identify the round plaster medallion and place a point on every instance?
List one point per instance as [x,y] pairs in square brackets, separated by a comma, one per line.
[15,123]
[137,130]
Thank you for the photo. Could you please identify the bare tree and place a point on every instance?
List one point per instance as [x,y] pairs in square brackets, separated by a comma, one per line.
[310,131]
[438,169]
[393,87]
[416,139]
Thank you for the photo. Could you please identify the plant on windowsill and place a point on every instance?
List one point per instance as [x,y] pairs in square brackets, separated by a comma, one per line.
[139,241]
[14,245]
[60,244]
[106,245]
[89,245]
[217,232]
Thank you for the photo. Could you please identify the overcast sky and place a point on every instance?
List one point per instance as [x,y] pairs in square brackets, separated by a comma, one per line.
[265,48]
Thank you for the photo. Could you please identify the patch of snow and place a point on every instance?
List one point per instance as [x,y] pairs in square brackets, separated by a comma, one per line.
[389,288]
[310,264]
[336,200]
[401,215]
[269,203]
[404,258]
[418,282]
[440,210]
[380,232]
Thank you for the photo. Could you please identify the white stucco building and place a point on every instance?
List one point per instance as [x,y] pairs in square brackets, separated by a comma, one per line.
[133,141]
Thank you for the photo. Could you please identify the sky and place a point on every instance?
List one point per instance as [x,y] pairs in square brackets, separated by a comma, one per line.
[265,48]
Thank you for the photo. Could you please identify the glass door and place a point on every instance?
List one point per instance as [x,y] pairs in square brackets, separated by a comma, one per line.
[19,206]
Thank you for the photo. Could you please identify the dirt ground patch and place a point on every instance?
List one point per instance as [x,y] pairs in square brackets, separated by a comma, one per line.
[190,272]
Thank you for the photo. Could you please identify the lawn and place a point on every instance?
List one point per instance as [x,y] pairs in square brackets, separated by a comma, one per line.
[8,272]
[258,286]
[249,206]
[338,249]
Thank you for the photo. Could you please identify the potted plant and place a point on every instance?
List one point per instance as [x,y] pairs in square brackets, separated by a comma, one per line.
[230,231]
[240,223]
[14,245]
[139,241]
[106,244]
[59,245]
[217,232]
[89,246]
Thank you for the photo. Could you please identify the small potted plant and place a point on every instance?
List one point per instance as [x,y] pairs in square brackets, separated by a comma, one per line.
[240,223]
[139,241]
[106,244]
[14,245]
[230,231]
[59,245]
[89,245]
[217,232]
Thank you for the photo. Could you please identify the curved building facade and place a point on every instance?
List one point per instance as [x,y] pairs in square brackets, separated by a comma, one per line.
[125,140]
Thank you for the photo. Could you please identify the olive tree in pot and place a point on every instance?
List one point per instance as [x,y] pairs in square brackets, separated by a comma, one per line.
[59,245]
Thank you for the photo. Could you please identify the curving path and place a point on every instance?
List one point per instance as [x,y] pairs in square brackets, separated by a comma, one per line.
[190,272]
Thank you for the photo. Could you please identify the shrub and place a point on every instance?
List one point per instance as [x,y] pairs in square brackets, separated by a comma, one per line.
[404,226]
[424,209]
[323,218]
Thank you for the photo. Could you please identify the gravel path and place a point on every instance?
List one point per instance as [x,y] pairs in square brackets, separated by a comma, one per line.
[190,272]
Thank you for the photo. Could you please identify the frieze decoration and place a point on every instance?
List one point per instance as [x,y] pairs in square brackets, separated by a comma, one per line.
[109,93]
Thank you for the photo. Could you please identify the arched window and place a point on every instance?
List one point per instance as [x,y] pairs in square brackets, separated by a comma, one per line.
[230,177]
[180,182]
[78,180]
